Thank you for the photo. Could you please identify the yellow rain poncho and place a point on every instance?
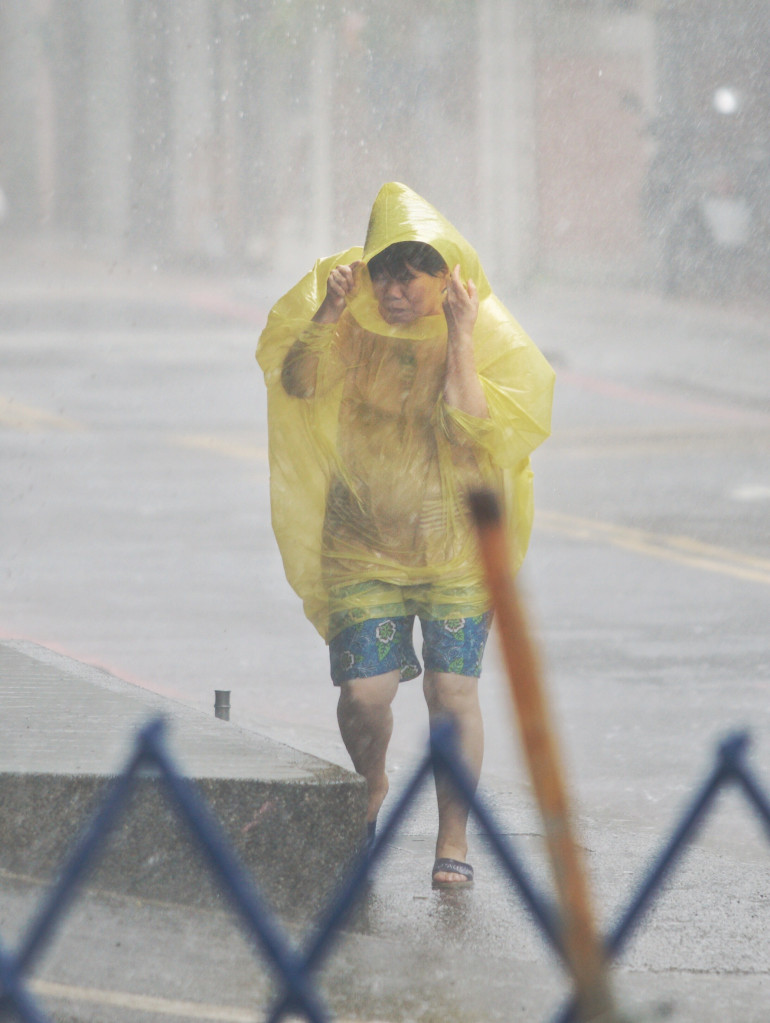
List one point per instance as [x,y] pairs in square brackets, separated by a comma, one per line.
[369,473]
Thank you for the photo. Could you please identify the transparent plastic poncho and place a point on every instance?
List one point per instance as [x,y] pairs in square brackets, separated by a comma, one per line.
[369,473]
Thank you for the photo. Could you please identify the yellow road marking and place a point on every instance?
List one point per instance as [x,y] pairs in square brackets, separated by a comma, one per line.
[25,417]
[665,440]
[232,447]
[680,549]
[143,1003]
[149,1003]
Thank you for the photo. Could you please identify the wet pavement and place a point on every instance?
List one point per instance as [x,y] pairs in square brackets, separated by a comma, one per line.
[138,538]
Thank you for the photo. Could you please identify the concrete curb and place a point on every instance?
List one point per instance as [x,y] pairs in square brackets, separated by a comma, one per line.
[67,729]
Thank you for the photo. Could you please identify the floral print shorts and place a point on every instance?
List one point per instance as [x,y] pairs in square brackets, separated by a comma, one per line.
[454,646]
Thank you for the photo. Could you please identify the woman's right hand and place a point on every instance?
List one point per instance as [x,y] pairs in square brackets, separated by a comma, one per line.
[342,281]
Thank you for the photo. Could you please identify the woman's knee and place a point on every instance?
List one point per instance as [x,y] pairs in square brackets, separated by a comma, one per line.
[451,694]
[369,695]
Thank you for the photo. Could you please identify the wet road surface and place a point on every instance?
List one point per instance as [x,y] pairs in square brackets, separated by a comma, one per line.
[136,535]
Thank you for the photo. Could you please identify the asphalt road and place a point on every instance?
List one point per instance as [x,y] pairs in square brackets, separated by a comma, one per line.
[136,535]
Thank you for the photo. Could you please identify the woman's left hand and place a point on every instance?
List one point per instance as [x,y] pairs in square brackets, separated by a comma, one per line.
[462,387]
[461,307]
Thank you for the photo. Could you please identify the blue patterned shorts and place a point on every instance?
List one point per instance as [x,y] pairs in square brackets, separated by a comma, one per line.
[454,646]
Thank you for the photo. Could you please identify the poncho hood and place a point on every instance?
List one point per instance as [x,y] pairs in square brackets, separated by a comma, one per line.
[401,215]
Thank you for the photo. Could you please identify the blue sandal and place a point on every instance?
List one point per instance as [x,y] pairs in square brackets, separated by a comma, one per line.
[446,866]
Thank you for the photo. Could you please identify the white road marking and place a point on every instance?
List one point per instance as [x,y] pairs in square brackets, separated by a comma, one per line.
[751,492]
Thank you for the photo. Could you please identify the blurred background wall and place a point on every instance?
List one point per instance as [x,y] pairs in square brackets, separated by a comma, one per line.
[568,138]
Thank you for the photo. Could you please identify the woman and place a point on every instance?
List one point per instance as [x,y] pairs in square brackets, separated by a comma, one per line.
[396,383]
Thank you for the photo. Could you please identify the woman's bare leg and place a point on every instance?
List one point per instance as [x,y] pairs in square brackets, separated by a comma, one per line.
[366,723]
[455,697]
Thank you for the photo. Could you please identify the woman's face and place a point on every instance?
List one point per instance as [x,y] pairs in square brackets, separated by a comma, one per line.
[405,300]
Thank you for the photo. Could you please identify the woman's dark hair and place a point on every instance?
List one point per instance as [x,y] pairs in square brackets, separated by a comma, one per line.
[399,261]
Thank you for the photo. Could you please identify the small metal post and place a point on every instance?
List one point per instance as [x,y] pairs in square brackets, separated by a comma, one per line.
[222,704]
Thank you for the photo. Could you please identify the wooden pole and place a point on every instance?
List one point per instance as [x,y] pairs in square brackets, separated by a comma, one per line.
[581,942]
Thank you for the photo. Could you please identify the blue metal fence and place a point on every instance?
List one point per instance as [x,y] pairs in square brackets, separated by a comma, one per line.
[297,969]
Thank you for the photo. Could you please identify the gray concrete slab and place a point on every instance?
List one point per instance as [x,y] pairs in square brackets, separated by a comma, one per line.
[68,728]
